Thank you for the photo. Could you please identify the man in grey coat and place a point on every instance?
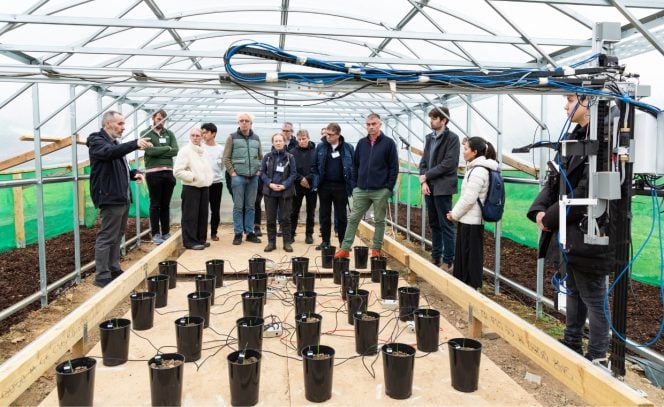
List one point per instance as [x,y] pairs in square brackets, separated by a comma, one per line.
[438,177]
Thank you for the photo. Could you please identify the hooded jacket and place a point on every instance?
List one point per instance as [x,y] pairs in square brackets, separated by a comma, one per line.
[323,149]
[109,172]
[475,185]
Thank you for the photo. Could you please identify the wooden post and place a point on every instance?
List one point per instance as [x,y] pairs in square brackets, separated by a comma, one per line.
[19,217]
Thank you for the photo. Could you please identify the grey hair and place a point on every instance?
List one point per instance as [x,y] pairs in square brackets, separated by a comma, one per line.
[251,116]
[108,116]
[302,131]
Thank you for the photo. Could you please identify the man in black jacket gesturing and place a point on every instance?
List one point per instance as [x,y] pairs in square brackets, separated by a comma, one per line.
[109,189]
[304,152]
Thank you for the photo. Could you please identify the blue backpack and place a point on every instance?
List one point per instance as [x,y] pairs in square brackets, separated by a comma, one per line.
[494,204]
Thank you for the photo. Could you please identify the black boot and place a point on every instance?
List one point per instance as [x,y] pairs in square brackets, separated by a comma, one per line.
[309,239]
[270,246]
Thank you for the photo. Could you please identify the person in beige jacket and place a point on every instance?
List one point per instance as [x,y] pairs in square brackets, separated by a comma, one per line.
[193,169]
[480,157]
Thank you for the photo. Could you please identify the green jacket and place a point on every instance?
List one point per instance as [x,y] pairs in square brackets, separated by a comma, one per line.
[165,148]
[243,155]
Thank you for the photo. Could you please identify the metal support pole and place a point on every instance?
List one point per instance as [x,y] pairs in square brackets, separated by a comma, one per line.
[497,232]
[423,211]
[539,288]
[43,278]
[408,180]
[137,197]
[74,171]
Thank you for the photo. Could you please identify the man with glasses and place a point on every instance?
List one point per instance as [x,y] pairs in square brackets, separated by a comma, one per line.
[375,171]
[331,171]
[159,174]
[242,159]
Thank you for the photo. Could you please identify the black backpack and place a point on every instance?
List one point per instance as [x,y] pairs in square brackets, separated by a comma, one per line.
[494,204]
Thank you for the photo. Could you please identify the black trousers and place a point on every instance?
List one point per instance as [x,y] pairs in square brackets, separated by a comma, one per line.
[160,187]
[311,198]
[194,215]
[216,190]
[257,207]
[282,206]
[332,193]
[469,256]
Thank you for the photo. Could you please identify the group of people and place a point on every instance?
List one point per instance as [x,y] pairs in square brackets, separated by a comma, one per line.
[296,170]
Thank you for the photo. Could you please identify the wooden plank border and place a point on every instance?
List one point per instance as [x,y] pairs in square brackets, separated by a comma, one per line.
[574,371]
[26,366]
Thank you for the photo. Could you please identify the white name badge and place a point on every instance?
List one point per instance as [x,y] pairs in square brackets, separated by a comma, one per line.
[335,154]
[162,140]
[280,168]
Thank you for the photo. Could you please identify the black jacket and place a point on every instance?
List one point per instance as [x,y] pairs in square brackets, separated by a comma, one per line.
[442,174]
[270,175]
[109,173]
[376,167]
[323,149]
[596,259]
[303,159]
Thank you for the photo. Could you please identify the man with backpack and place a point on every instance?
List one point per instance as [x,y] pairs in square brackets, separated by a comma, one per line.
[438,177]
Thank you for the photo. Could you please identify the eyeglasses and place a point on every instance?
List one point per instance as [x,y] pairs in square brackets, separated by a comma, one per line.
[244,121]
[286,131]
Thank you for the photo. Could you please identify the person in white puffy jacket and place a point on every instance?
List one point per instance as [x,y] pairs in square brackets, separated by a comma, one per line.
[480,156]
[193,169]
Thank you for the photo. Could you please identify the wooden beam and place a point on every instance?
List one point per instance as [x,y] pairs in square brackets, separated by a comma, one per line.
[19,218]
[44,139]
[30,155]
[573,370]
[25,367]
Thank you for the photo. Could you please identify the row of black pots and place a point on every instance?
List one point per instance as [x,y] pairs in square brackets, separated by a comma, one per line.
[361,254]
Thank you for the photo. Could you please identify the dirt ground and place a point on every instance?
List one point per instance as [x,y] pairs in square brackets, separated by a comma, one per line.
[28,324]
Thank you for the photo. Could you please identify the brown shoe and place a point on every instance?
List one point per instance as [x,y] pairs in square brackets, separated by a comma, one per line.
[447,267]
[341,253]
[375,253]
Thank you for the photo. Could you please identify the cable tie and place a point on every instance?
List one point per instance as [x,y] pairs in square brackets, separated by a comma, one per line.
[301,60]
[543,81]
[423,79]
[272,77]
[568,71]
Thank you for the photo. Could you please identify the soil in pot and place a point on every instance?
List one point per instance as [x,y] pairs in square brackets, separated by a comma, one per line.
[189,337]
[75,381]
[318,366]
[199,306]
[361,256]
[338,267]
[244,374]
[307,329]
[169,268]
[166,378]
[142,310]
[366,332]
[216,267]
[159,285]
[114,334]
[398,369]
[206,282]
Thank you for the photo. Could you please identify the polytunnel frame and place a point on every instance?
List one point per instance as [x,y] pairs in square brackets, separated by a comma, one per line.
[172,23]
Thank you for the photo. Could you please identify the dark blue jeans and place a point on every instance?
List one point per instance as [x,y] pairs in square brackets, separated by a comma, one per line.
[442,230]
[585,296]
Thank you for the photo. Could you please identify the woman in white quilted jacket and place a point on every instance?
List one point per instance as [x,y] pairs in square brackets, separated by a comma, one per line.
[193,169]
[480,157]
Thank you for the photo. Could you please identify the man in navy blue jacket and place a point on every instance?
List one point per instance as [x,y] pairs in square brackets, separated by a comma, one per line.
[375,171]
[109,189]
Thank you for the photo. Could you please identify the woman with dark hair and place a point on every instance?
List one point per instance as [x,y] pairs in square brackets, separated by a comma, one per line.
[480,157]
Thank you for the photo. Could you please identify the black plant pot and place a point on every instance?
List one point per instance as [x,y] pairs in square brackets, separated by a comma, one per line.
[357,301]
[252,304]
[170,269]
[250,333]
[244,375]
[465,355]
[159,285]
[142,310]
[338,267]
[307,329]
[207,283]
[389,283]
[398,369]
[378,264]
[216,267]
[189,337]
[318,364]
[257,265]
[427,325]
[299,265]
[305,282]
[366,332]
[199,306]
[166,371]
[350,280]
[257,283]
[305,302]
[409,301]
[76,388]
[327,255]
[361,256]
[114,335]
